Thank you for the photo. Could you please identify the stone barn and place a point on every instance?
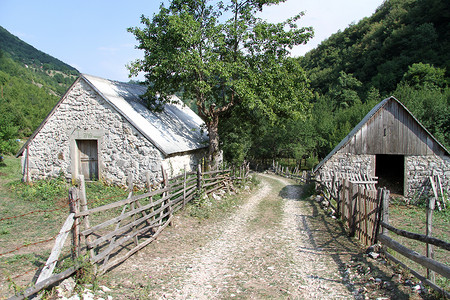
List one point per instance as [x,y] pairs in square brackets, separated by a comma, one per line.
[104,130]
[390,143]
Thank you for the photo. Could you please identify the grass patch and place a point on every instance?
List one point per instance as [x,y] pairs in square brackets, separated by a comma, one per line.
[206,207]
[413,219]
[33,213]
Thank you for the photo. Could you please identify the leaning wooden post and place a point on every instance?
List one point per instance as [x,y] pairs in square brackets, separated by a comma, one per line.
[430,253]
[74,207]
[83,207]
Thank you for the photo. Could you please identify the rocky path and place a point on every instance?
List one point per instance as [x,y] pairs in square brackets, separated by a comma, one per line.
[276,245]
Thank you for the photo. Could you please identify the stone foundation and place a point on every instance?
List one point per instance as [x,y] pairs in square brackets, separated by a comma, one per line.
[419,168]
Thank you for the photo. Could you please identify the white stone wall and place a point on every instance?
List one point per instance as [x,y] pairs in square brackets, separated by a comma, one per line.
[176,165]
[83,114]
[419,168]
[350,163]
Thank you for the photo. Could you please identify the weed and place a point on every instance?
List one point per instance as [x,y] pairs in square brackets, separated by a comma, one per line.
[309,190]
[17,288]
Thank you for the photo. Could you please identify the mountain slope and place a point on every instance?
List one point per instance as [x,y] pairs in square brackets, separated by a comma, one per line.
[31,82]
[27,54]
[379,49]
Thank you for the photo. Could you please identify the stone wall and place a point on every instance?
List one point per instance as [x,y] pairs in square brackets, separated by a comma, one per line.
[349,163]
[419,168]
[122,150]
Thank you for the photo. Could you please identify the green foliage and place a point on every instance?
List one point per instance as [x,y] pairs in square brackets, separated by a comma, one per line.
[398,51]
[27,54]
[44,193]
[30,84]
[424,76]
[222,56]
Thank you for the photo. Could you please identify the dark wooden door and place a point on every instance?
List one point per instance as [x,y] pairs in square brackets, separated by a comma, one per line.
[88,159]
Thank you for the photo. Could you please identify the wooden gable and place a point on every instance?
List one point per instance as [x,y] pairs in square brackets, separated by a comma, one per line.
[392,129]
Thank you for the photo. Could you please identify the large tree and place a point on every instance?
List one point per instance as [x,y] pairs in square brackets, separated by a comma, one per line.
[220,54]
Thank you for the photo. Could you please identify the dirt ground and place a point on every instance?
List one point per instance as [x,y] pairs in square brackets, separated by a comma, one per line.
[277,245]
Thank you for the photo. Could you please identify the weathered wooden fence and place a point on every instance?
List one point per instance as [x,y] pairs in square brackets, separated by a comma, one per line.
[365,211]
[355,199]
[428,241]
[111,233]
[294,173]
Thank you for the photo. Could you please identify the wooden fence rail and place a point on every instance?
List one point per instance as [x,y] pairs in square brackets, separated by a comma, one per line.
[113,232]
[295,173]
[365,211]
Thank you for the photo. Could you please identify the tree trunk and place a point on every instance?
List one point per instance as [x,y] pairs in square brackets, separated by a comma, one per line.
[214,156]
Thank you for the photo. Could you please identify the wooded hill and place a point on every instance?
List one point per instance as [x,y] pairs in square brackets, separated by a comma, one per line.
[31,82]
[402,50]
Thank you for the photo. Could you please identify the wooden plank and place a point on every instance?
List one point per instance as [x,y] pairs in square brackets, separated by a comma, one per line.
[128,214]
[430,253]
[45,284]
[100,256]
[56,251]
[118,231]
[414,256]
[137,248]
[418,237]
[113,237]
[120,203]
[420,277]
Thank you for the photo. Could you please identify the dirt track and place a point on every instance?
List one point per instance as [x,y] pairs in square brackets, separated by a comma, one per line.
[276,245]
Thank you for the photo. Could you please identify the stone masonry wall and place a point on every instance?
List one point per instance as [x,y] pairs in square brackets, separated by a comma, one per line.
[349,163]
[83,114]
[419,168]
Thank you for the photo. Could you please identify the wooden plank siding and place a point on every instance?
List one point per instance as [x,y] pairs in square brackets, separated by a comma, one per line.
[392,130]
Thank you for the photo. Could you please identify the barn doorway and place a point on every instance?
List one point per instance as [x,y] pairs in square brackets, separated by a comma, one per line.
[88,159]
[390,170]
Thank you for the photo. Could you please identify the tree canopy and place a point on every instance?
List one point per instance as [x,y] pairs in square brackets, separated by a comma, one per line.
[221,55]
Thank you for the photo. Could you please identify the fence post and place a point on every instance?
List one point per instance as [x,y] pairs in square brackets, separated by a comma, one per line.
[165,194]
[353,209]
[133,204]
[199,178]
[83,206]
[74,207]
[430,253]
[385,207]
[184,188]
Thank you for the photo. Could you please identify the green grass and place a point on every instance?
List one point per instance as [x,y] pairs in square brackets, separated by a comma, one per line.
[413,219]
[209,208]
[33,213]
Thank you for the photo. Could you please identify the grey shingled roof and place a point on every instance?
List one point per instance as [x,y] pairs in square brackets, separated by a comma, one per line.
[177,129]
[360,125]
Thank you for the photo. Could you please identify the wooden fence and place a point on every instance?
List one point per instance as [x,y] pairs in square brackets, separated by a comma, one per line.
[111,233]
[294,173]
[428,241]
[365,211]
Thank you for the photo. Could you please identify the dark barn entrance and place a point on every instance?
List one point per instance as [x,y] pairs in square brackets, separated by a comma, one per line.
[390,170]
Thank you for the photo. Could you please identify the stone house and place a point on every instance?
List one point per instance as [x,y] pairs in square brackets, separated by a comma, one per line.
[390,143]
[104,130]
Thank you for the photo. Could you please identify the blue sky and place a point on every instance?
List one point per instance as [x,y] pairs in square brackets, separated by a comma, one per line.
[92,35]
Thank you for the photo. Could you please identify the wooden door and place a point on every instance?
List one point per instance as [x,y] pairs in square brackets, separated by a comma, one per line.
[88,159]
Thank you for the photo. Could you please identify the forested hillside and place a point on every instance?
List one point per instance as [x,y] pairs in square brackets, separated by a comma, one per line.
[403,50]
[31,82]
